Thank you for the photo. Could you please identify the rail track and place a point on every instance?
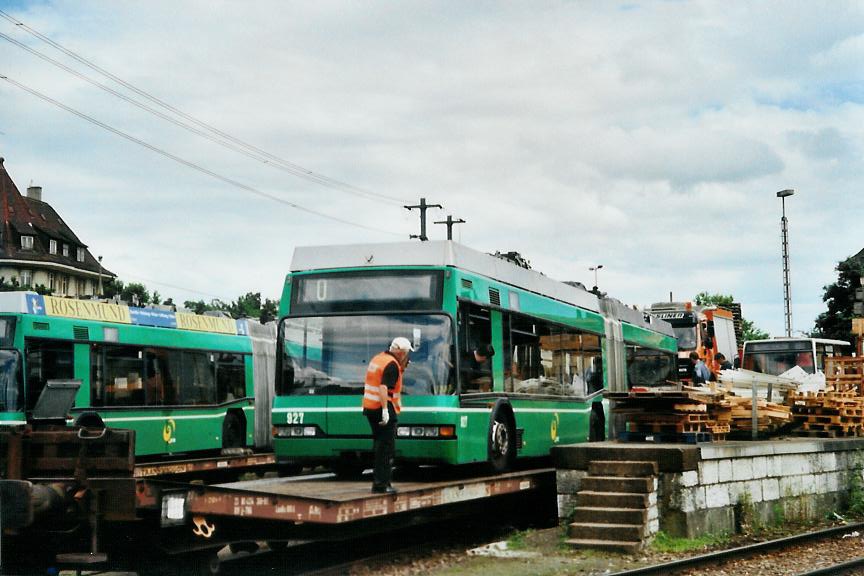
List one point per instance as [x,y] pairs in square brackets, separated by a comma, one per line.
[715,561]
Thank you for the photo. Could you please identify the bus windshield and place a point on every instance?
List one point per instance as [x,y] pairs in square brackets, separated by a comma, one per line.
[330,354]
[775,358]
[11,394]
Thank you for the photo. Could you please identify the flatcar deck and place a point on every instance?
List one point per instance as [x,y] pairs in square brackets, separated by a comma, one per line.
[329,501]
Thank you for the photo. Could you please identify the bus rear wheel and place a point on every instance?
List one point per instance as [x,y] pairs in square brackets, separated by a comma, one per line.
[502,442]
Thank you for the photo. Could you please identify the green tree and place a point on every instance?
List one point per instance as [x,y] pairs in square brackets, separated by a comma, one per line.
[269,310]
[749,331]
[136,294]
[706,299]
[836,321]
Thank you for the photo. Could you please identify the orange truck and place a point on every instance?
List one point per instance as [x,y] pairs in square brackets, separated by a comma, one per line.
[704,329]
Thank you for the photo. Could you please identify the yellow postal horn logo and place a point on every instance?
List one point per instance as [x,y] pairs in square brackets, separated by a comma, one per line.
[168,430]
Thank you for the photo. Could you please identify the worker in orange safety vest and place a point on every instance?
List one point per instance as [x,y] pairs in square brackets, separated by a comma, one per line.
[382,403]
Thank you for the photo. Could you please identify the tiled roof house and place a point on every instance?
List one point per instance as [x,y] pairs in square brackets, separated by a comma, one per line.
[37,247]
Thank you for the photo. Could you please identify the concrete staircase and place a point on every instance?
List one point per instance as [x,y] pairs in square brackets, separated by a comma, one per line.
[616,506]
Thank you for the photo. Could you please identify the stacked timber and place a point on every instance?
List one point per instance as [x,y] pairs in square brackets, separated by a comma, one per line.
[828,414]
[838,411]
[844,374]
[770,416]
[693,415]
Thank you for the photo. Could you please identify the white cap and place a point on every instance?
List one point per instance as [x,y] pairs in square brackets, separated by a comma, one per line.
[401,343]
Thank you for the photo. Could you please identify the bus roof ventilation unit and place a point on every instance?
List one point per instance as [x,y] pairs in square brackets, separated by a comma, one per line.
[41,326]
[494,297]
[466,283]
[81,332]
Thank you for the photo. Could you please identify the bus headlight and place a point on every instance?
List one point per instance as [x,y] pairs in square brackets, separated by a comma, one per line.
[296,432]
[431,432]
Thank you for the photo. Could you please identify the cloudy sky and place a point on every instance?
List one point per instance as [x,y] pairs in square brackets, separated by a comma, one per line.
[649,137]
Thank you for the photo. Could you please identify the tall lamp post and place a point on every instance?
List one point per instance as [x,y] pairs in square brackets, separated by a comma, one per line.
[595,269]
[784,236]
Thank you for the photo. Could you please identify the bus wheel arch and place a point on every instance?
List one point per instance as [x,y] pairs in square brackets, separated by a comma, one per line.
[234,429]
[89,420]
[502,437]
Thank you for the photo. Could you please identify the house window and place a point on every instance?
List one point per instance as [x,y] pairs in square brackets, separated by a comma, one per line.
[81,284]
[52,247]
[66,250]
[52,281]
[27,242]
[64,284]
[26,278]
[80,254]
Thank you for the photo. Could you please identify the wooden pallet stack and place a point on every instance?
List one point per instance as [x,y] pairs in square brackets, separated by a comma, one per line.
[679,415]
[839,410]
[844,374]
[828,414]
[712,413]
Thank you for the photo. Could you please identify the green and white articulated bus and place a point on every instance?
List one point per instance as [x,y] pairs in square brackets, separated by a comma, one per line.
[185,383]
[557,347]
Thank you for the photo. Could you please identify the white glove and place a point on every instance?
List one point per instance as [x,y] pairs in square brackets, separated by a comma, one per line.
[385,416]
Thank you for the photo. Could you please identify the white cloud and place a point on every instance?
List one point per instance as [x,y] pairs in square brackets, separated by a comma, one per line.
[649,138]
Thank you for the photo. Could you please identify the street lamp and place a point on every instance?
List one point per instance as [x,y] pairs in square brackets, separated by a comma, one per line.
[595,269]
[784,238]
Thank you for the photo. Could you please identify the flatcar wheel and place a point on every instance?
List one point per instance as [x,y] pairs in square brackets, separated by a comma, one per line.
[501,443]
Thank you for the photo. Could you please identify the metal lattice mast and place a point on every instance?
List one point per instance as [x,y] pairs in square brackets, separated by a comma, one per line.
[784,240]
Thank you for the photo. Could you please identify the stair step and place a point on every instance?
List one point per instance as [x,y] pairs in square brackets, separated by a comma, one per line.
[625,468]
[618,484]
[610,515]
[614,532]
[592,499]
[611,545]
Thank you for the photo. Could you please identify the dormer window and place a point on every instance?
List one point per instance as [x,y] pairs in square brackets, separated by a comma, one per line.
[66,250]
[26,242]
[80,254]
[52,246]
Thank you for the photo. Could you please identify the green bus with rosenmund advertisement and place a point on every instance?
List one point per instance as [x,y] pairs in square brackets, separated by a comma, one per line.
[186,384]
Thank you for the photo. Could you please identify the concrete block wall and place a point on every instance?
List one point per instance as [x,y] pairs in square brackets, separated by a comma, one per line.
[768,482]
[713,488]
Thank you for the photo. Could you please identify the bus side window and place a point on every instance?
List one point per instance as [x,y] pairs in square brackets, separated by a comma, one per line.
[46,360]
[230,377]
[475,333]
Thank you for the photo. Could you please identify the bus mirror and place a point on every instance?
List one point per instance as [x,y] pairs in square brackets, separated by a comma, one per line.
[709,343]
[711,328]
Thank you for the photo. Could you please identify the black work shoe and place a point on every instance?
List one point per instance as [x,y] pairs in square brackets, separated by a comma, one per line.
[384,490]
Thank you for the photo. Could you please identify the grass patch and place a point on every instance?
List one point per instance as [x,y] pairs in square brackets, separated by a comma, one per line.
[518,540]
[664,543]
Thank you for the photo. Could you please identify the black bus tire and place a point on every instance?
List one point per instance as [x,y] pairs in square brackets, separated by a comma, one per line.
[502,440]
[233,431]
[597,424]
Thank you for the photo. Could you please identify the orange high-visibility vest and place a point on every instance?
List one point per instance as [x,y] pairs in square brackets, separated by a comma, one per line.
[374,380]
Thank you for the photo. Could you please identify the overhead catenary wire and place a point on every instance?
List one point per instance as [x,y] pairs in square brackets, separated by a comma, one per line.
[188,163]
[226,144]
[221,137]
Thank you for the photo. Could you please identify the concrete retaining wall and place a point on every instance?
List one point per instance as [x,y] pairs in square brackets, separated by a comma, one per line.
[734,483]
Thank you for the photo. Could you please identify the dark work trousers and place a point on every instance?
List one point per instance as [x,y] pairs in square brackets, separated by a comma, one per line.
[384,445]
